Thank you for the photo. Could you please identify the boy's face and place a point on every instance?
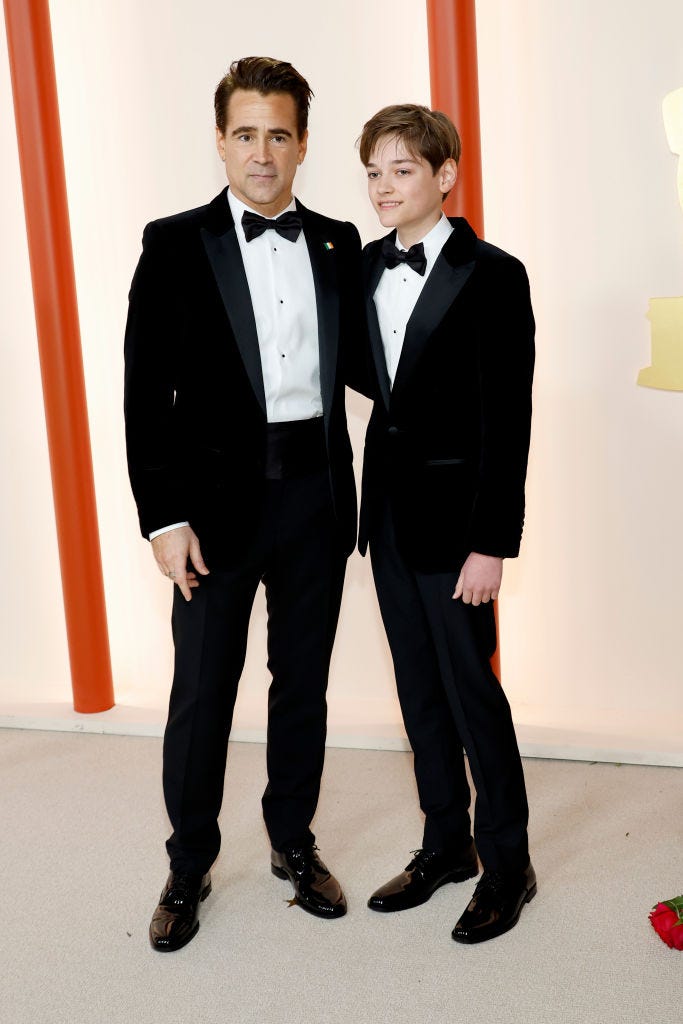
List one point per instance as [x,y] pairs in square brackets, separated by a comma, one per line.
[404,190]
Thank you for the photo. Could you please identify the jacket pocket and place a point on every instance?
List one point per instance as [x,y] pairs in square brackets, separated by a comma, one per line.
[444,462]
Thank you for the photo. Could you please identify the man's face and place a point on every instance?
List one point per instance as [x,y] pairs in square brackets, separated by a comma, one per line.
[404,190]
[261,149]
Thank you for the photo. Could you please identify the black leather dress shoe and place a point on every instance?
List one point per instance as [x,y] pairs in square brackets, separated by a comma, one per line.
[426,872]
[176,920]
[317,891]
[496,905]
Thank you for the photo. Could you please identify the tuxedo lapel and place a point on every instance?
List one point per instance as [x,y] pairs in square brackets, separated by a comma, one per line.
[324,268]
[449,274]
[223,251]
[373,273]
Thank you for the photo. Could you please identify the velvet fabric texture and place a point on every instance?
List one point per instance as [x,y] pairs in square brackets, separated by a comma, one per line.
[448,443]
[194,399]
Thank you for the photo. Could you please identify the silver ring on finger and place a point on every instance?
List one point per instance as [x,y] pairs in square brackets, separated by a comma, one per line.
[171,575]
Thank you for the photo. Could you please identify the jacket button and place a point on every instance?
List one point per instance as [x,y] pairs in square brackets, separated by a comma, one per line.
[393,430]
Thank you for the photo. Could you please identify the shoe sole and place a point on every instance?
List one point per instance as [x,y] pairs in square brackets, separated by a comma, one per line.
[473,938]
[172,949]
[460,876]
[281,873]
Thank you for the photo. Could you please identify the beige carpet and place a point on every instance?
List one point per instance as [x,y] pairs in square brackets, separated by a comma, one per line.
[82,863]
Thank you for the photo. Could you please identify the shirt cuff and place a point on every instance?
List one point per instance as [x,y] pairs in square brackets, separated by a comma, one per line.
[166,529]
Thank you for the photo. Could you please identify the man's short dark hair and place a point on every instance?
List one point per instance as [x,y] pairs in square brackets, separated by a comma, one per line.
[264,75]
[425,133]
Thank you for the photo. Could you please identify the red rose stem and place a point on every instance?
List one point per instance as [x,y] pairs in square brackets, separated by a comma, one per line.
[34,88]
[452,30]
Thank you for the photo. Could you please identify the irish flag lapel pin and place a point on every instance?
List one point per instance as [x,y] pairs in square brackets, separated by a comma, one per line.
[328,246]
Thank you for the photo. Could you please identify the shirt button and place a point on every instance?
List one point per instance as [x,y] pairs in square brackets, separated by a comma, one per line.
[281,301]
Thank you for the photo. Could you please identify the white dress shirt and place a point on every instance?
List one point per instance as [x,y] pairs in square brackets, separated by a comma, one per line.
[398,291]
[282,294]
[283,297]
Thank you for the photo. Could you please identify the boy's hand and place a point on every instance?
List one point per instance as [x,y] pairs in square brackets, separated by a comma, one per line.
[479,579]
[172,551]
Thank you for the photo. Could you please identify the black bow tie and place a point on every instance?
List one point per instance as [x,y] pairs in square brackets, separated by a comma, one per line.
[288,225]
[414,257]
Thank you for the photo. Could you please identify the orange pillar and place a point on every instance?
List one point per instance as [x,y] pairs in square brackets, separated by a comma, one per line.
[452,29]
[36,112]
[451,25]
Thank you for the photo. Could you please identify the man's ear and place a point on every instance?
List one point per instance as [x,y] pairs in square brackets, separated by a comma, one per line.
[220,144]
[303,145]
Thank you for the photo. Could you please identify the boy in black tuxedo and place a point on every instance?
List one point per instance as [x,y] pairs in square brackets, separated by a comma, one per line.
[451,330]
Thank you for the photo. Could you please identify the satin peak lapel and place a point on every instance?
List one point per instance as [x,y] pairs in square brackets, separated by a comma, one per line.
[226,262]
[324,268]
[439,293]
[373,274]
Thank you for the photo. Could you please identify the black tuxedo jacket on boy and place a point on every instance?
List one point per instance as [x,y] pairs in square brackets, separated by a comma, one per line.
[448,443]
[194,398]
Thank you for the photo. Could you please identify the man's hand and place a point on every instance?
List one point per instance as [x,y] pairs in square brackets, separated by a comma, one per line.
[172,550]
[479,579]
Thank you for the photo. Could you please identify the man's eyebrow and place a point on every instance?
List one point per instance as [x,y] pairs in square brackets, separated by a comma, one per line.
[252,128]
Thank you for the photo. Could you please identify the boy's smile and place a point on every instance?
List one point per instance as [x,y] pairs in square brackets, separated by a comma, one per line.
[406,193]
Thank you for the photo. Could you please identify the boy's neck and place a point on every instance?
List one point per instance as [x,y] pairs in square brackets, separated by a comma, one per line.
[411,235]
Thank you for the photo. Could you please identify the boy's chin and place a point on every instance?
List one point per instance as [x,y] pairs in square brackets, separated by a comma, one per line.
[388,218]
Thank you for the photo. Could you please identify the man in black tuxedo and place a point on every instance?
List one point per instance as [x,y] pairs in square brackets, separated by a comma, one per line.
[451,331]
[241,315]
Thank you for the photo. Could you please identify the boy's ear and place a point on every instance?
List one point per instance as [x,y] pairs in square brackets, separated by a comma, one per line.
[448,175]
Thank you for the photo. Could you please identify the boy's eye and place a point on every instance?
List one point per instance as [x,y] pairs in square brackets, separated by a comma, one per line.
[373,174]
[403,171]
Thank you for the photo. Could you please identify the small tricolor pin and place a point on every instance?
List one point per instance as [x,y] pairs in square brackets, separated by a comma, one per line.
[328,246]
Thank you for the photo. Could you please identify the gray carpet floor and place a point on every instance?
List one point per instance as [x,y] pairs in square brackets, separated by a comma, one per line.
[82,863]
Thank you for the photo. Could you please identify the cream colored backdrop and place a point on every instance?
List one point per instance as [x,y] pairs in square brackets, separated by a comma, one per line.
[578,182]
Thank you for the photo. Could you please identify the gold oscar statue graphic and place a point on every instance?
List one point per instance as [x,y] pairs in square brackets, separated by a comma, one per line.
[666,315]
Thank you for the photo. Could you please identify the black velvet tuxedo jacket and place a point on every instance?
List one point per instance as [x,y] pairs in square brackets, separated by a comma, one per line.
[194,398]
[448,443]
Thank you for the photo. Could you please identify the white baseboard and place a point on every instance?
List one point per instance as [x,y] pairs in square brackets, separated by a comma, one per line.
[653,748]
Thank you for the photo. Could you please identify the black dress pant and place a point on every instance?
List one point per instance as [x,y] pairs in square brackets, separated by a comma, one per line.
[451,700]
[295,552]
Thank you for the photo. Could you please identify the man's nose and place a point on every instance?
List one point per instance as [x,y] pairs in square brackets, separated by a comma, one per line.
[261,152]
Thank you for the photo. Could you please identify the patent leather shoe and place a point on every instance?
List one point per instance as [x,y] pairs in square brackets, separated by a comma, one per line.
[176,919]
[316,890]
[427,871]
[496,905]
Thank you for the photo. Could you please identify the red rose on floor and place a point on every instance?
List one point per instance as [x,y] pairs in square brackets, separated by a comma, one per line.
[666,921]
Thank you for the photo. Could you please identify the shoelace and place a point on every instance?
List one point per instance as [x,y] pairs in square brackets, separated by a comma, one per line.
[183,888]
[491,882]
[420,859]
[300,856]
